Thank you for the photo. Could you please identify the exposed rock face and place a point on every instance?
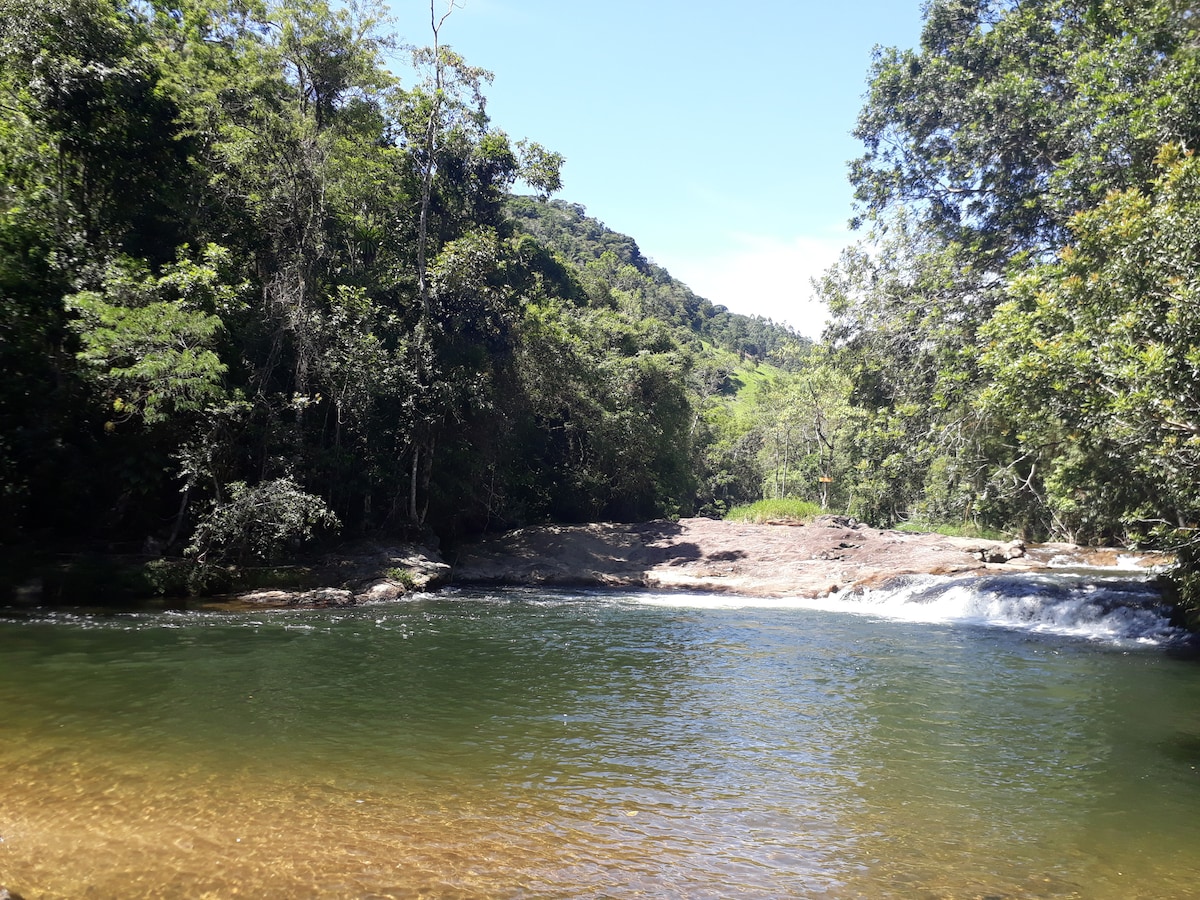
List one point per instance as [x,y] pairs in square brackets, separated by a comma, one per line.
[812,559]
[772,560]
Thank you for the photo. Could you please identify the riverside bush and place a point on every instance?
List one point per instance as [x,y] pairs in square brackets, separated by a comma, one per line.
[968,530]
[260,522]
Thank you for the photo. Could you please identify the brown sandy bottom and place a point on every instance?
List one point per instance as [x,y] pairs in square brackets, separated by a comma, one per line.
[78,829]
[77,825]
[211,838]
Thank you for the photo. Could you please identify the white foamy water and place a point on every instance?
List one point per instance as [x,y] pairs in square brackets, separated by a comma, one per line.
[1109,605]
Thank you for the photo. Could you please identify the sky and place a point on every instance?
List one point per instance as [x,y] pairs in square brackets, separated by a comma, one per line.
[715,133]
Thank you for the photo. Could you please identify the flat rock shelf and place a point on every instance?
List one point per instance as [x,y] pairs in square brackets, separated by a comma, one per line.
[780,559]
[769,560]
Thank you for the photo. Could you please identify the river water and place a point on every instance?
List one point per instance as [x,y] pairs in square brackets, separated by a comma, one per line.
[997,739]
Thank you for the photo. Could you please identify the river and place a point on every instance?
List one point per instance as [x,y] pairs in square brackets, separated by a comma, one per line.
[951,740]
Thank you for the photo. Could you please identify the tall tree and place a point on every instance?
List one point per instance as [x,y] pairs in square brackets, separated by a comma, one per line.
[980,146]
[92,162]
[1095,361]
[1014,115]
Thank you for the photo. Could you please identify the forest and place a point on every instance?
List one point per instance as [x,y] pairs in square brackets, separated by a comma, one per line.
[255,290]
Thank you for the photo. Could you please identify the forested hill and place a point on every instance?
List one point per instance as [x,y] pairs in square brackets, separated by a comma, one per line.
[604,256]
[254,288]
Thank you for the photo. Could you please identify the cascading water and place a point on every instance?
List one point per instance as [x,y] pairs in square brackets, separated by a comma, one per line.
[1100,606]
[1119,604]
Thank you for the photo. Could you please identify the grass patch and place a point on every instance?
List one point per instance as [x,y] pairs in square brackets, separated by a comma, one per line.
[775,511]
[963,531]
[402,577]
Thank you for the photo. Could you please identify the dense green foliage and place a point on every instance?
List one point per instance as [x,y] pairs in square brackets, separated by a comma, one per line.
[1018,323]
[253,287]
[615,274]
[731,363]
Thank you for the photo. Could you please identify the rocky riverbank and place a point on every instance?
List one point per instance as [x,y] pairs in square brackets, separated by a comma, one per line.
[809,559]
[768,560]
[361,573]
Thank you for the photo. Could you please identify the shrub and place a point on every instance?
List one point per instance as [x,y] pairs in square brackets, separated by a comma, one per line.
[968,530]
[169,577]
[260,521]
[402,577]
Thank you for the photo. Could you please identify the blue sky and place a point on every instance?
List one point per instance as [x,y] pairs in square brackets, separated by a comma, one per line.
[714,132]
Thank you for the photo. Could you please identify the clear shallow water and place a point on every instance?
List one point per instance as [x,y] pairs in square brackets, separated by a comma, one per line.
[525,744]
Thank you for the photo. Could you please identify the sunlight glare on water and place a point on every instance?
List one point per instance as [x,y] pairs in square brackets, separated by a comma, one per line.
[528,744]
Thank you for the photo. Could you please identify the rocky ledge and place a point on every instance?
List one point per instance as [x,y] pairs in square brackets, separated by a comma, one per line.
[769,560]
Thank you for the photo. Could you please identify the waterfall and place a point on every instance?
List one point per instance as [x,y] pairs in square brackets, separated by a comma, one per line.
[1110,606]
[1118,604]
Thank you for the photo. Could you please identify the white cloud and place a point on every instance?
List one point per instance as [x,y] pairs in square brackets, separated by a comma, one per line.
[766,276]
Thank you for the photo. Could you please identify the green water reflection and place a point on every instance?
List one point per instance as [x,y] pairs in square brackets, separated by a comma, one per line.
[530,745]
